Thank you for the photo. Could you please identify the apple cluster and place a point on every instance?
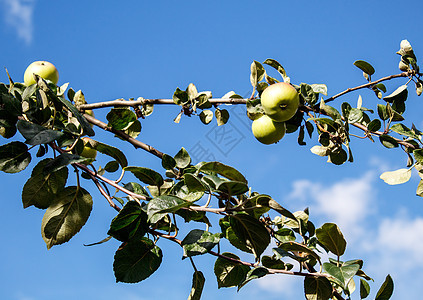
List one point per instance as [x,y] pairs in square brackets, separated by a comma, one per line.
[280,102]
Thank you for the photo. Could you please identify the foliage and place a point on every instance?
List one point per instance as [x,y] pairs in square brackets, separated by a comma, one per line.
[52,121]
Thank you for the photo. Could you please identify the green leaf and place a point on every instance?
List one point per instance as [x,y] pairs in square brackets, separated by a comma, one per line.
[276,65]
[158,207]
[36,134]
[418,155]
[419,191]
[338,157]
[365,67]
[297,247]
[113,152]
[266,200]
[251,232]
[255,273]
[111,166]
[40,190]
[231,236]
[198,281]
[198,242]
[62,161]
[130,223]
[14,157]
[309,95]
[84,123]
[257,73]
[396,177]
[222,116]
[355,115]
[120,118]
[404,130]
[342,274]
[320,88]
[182,158]
[136,188]
[146,175]
[330,111]
[224,170]
[332,238]
[228,272]
[66,215]
[180,97]
[364,289]
[284,235]
[388,141]
[374,125]
[168,162]
[272,263]
[400,94]
[383,114]
[206,116]
[136,260]
[317,288]
[187,192]
[386,290]
[232,187]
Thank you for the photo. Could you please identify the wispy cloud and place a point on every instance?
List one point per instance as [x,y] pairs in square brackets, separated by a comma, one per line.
[346,202]
[18,15]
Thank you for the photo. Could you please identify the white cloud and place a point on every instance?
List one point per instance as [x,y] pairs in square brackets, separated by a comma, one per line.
[18,15]
[347,202]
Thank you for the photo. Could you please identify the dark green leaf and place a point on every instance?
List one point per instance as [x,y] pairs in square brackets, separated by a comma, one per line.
[229,272]
[232,187]
[62,161]
[84,123]
[255,273]
[117,154]
[386,290]
[332,238]
[251,232]
[400,94]
[136,188]
[180,97]
[36,134]
[272,263]
[198,242]
[297,247]
[148,176]
[120,118]
[381,110]
[231,236]
[374,125]
[365,67]
[309,95]
[66,215]
[130,223]
[317,288]
[338,157]
[198,281]
[168,162]
[111,166]
[40,190]
[14,157]
[136,260]
[388,141]
[364,289]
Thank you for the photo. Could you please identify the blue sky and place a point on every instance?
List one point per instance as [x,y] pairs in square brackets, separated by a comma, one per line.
[115,50]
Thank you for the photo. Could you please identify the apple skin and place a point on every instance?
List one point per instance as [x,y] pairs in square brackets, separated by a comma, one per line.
[280,101]
[87,151]
[268,131]
[44,69]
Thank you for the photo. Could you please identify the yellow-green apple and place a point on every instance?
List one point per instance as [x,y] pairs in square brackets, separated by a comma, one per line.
[280,101]
[44,69]
[268,131]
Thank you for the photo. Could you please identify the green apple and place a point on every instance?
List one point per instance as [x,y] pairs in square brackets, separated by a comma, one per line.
[87,151]
[280,101]
[268,131]
[44,69]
